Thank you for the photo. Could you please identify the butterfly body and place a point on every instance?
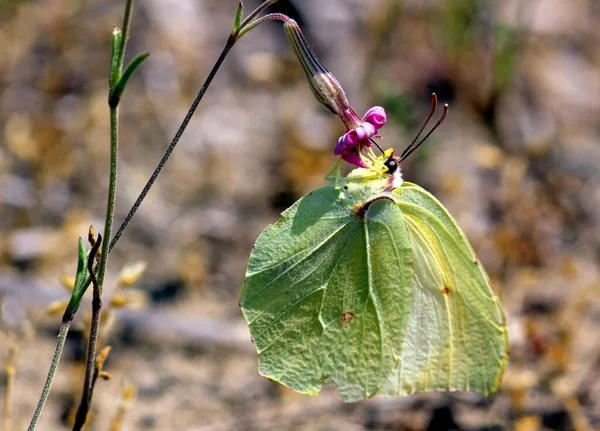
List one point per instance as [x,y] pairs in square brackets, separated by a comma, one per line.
[363,186]
[370,287]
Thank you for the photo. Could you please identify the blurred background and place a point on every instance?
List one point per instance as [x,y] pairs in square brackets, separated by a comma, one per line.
[517,163]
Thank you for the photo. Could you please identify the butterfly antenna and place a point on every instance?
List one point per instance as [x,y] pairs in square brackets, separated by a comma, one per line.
[376,144]
[434,103]
[444,115]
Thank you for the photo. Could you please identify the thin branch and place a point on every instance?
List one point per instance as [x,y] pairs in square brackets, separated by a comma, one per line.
[108,246]
[125,32]
[60,344]
[88,383]
[88,386]
[161,164]
[248,22]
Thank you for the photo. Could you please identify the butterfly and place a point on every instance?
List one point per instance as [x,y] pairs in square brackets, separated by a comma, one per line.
[369,286]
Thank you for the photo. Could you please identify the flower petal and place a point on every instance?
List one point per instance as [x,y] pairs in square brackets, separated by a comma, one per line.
[365,131]
[354,159]
[342,146]
[376,116]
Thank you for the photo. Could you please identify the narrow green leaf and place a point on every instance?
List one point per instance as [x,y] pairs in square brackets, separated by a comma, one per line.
[80,279]
[238,19]
[115,73]
[117,92]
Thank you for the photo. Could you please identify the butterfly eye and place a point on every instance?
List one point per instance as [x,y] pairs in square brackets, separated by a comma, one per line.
[392,165]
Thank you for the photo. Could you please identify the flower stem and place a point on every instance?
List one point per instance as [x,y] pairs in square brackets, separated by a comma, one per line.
[250,18]
[167,154]
[125,32]
[161,164]
[88,381]
[245,27]
[86,396]
[60,343]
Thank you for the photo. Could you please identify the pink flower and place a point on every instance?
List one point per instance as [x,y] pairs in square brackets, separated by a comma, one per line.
[351,144]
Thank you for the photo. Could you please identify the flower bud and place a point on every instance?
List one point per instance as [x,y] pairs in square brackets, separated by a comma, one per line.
[329,92]
[323,84]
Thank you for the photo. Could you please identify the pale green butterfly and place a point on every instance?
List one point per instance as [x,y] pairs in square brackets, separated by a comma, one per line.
[369,286]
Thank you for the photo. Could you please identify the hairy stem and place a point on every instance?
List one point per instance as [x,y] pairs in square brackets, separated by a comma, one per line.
[108,246]
[125,32]
[172,145]
[90,364]
[86,396]
[112,192]
[246,26]
[60,344]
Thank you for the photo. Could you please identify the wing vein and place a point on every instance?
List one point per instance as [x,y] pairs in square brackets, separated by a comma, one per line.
[321,244]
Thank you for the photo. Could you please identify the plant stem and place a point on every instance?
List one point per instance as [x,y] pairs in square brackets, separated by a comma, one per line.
[86,396]
[167,154]
[108,246]
[112,192]
[161,164]
[88,381]
[230,42]
[256,12]
[60,344]
[125,33]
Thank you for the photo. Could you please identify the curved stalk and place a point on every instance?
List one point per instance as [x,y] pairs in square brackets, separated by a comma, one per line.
[60,344]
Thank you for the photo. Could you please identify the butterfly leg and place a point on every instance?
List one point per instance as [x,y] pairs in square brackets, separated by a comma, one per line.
[335,174]
[373,161]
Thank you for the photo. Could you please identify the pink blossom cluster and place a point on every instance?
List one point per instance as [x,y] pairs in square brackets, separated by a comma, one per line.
[351,144]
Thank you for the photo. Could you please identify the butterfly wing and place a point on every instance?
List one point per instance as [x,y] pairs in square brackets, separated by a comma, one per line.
[457,336]
[327,294]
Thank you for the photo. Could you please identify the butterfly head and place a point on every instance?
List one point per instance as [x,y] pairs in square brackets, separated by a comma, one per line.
[392,163]
[393,170]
